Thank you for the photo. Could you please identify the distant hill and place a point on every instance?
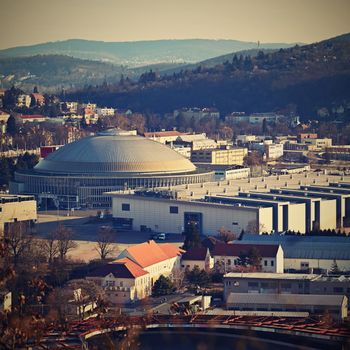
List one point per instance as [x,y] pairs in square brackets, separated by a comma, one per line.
[139,53]
[302,78]
[50,72]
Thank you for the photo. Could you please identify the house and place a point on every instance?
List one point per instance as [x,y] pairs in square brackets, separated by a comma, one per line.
[24,101]
[5,301]
[227,255]
[132,275]
[38,98]
[122,280]
[197,257]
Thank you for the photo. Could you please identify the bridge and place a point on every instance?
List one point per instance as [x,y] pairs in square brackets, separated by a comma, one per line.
[77,334]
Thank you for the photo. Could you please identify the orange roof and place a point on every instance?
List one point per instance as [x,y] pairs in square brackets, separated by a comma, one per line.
[162,133]
[150,253]
[32,116]
[133,268]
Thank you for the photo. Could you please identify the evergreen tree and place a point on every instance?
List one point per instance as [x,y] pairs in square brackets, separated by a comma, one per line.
[264,126]
[198,277]
[334,270]
[254,258]
[5,172]
[163,286]
[35,90]
[11,126]
[192,237]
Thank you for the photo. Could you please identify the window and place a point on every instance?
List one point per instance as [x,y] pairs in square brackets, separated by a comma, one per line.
[265,262]
[174,210]
[228,261]
[272,263]
[304,265]
[338,289]
[125,206]
[253,284]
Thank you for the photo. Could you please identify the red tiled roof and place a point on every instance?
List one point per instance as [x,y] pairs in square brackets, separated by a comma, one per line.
[150,253]
[38,96]
[224,249]
[163,133]
[196,254]
[122,268]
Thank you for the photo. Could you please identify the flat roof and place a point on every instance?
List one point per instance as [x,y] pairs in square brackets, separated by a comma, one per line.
[181,201]
[270,275]
[252,200]
[289,196]
[285,299]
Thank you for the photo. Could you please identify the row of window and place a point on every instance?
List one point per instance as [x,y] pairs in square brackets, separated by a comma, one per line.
[172,209]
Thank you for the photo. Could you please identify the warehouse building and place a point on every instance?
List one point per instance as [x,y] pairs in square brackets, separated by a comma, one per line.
[313,207]
[285,283]
[327,217]
[147,210]
[335,305]
[15,209]
[286,215]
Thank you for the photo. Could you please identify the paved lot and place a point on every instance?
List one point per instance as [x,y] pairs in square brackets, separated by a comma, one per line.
[85,226]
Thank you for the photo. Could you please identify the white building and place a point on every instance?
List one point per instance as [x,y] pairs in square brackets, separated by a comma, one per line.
[143,211]
[24,101]
[133,274]
[228,255]
[105,112]
[274,151]
[16,208]
[197,257]
[307,253]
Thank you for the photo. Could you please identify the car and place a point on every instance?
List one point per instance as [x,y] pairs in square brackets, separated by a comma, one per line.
[159,236]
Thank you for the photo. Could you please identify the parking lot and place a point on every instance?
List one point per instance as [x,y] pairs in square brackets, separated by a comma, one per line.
[85,226]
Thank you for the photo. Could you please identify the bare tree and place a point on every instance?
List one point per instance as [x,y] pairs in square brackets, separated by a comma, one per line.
[254,227]
[178,278]
[105,241]
[18,241]
[50,247]
[65,243]
[226,235]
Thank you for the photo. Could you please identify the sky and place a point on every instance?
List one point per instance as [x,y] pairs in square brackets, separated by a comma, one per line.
[27,22]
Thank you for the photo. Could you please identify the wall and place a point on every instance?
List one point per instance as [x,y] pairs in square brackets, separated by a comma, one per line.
[291,263]
[328,218]
[155,214]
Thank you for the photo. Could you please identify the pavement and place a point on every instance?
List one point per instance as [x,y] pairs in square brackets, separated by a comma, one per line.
[85,226]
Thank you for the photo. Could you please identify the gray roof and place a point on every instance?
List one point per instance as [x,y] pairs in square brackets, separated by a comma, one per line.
[305,247]
[115,153]
[271,275]
[285,299]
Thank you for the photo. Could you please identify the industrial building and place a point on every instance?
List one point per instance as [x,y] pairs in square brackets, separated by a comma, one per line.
[153,211]
[285,283]
[319,212]
[14,209]
[77,174]
[231,156]
[286,215]
[307,253]
[335,305]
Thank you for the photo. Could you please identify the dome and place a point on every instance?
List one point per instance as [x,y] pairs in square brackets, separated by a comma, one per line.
[115,153]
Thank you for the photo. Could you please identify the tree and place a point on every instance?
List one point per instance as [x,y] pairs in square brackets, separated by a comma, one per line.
[334,270]
[105,241]
[19,241]
[50,247]
[264,126]
[198,277]
[163,286]
[5,172]
[226,235]
[64,241]
[11,126]
[192,237]
[243,258]
[178,278]
[254,258]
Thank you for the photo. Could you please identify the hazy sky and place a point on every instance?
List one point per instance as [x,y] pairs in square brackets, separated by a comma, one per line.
[26,22]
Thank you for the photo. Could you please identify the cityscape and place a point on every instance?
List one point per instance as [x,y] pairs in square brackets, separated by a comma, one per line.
[175,175]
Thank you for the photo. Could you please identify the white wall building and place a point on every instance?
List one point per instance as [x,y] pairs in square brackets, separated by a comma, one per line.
[168,215]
